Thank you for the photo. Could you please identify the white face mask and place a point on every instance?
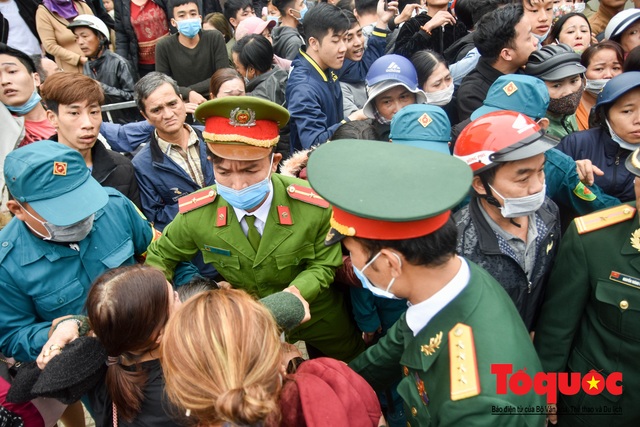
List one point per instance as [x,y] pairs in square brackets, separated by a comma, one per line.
[440,97]
[63,234]
[579,7]
[595,86]
[517,207]
[621,142]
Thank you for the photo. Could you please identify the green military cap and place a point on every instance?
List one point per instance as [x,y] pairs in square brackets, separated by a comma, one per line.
[386,191]
[241,127]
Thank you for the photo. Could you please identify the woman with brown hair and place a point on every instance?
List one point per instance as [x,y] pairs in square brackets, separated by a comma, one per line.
[226,82]
[224,365]
[603,62]
[222,359]
[128,309]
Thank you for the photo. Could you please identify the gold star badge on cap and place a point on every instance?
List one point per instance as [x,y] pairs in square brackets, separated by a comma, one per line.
[510,88]
[60,168]
[425,120]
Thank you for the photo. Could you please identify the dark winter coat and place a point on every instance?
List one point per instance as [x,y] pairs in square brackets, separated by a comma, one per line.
[479,243]
[597,146]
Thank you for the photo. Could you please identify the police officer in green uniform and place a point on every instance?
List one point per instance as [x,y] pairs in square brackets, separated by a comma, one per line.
[590,319]
[262,231]
[460,321]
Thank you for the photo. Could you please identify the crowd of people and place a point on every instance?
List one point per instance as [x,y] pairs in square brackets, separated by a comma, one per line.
[431,197]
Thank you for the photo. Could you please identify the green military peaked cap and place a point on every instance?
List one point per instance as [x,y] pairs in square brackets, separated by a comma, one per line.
[241,127]
[386,191]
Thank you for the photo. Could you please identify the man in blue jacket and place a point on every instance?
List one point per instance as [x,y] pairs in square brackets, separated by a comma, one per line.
[174,162]
[66,231]
[314,97]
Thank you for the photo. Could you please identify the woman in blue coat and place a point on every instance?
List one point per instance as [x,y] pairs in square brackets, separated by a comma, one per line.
[608,146]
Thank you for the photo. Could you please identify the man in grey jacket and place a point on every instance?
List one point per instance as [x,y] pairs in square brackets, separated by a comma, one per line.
[510,228]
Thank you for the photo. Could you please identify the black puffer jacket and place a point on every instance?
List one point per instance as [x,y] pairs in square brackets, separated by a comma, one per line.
[113,170]
[126,40]
[270,86]
[412,39]
[478,242]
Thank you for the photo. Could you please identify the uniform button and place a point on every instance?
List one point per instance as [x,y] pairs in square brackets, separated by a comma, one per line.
[624,304]
[408,424]
[414,411]
[60,300]
[5,244]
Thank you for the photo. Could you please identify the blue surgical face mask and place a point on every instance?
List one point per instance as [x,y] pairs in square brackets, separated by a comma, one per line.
[272,18]
[189,27]
[302,12]
[27,106]
[249,197]
[366,283]
[542,37]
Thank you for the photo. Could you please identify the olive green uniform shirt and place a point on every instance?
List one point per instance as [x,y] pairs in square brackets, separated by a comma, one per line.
[289,254]
[429,371]
[590,318]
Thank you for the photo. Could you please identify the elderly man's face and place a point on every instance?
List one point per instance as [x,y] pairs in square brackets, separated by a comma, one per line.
[165,110]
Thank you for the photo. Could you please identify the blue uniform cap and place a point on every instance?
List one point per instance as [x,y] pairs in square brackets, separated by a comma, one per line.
[618,86]
[423,126]
[516,92]
[55,181]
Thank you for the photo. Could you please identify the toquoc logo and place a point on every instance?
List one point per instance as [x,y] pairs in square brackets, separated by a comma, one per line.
[549,384]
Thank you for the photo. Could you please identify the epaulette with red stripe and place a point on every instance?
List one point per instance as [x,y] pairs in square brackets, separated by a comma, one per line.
[307,195]
[196,200]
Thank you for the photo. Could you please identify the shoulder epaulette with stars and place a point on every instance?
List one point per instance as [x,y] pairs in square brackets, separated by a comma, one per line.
[605,218]
[307,195]
[465,381]
[196,200]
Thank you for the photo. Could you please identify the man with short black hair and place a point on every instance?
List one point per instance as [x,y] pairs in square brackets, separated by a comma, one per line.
[235,11]
[287,40]
[510,227]
[191,56]
[314,97]
[503,38]
[460,321]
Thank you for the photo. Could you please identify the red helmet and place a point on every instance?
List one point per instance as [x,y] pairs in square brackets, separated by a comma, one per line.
[498,137]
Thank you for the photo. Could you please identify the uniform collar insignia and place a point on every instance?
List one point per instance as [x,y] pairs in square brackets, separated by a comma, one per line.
[635,239]
[434,344]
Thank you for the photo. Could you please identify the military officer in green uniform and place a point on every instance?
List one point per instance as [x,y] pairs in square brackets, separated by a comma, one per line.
[460,322]
[590,319]
[263,232]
